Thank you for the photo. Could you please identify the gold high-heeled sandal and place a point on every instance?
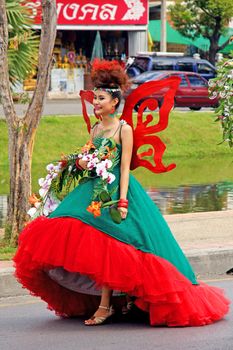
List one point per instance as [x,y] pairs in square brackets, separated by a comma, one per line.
[98,320]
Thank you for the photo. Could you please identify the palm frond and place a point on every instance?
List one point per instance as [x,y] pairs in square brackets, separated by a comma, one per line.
[23,41]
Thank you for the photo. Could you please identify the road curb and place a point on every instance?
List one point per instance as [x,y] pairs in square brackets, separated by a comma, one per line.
[211,263]
[207,264]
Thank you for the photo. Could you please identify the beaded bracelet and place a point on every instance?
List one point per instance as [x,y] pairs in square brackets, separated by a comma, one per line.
[123,206]
[123,203]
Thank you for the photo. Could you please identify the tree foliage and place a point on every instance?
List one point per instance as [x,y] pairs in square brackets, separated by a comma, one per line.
[207,18]
[23,41]
[222,87]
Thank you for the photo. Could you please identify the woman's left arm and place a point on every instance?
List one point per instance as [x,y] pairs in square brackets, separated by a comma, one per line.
[127,148]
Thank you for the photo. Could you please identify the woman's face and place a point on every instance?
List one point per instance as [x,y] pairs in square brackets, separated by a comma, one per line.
[103,103]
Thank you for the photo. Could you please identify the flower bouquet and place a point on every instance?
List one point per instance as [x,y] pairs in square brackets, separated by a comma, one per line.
[66,174]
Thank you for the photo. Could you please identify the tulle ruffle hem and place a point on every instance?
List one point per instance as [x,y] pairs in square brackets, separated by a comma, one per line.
[160,289]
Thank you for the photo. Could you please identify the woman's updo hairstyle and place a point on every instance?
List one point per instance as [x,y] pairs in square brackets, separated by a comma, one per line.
[109,75]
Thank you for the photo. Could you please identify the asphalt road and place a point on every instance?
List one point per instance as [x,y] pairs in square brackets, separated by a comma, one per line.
[26,324]
[71,107]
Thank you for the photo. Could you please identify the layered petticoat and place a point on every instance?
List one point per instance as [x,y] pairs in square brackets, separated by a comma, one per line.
[73,246]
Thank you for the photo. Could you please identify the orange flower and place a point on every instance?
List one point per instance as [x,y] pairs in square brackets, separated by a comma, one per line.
[94,208]
[33,199]
[110,153]
[86,148]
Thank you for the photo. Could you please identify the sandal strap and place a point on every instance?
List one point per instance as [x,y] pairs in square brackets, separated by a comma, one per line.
[104,307]
[97,320]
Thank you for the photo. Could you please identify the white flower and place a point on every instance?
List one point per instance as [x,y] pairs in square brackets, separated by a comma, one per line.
[31,212]
[37,205]
[95,160]
[50,205]
[220,83]
[90,165]
[41,181]
[48,177]
[100,168]
[47,182]
[211,83]
[58,167]
[42,192]
[46,212]
[104,174]
[107,163]
[222,94]
[50,167]
[213,95]
[111,178]
[86,157]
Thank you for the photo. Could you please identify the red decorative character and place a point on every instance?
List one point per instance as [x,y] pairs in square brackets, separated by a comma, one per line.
[144,129]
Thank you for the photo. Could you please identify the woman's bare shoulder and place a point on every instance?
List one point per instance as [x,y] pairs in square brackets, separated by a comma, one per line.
[126,129]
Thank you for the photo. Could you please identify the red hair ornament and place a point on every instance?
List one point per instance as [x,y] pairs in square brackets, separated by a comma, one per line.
[104,65]
[144,130]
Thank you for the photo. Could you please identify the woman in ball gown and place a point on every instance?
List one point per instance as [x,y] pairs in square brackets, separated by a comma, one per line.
[89,266]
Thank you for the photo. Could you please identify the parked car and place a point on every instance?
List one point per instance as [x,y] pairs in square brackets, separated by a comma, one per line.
[150,62]
[192,91]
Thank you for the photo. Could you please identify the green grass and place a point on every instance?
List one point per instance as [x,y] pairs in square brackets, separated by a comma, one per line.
[192,143]
[6,252]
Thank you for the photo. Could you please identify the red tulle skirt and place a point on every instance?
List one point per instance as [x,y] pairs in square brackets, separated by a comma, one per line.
[160,289]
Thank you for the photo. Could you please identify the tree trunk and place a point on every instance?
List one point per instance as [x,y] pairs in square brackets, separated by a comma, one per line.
[22,130]
[214,39]
[213,51]
[20,155]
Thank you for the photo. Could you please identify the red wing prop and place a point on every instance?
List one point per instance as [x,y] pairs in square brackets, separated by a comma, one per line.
[143,132]
[87,96]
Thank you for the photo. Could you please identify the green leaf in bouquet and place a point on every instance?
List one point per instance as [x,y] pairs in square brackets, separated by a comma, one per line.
[84,180]
[98,188]
[115,215]
[109,204]
[61,196]
[104,196]
[113,190]
[54,187]
[62,178]
[76,175]
[68,185]
[111,143]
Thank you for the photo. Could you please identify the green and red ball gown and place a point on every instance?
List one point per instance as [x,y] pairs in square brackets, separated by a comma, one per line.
[66,258]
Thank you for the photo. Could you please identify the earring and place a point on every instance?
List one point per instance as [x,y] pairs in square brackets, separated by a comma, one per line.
[113,112]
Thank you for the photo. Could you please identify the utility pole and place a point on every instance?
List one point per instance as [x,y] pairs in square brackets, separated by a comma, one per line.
[163,39]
